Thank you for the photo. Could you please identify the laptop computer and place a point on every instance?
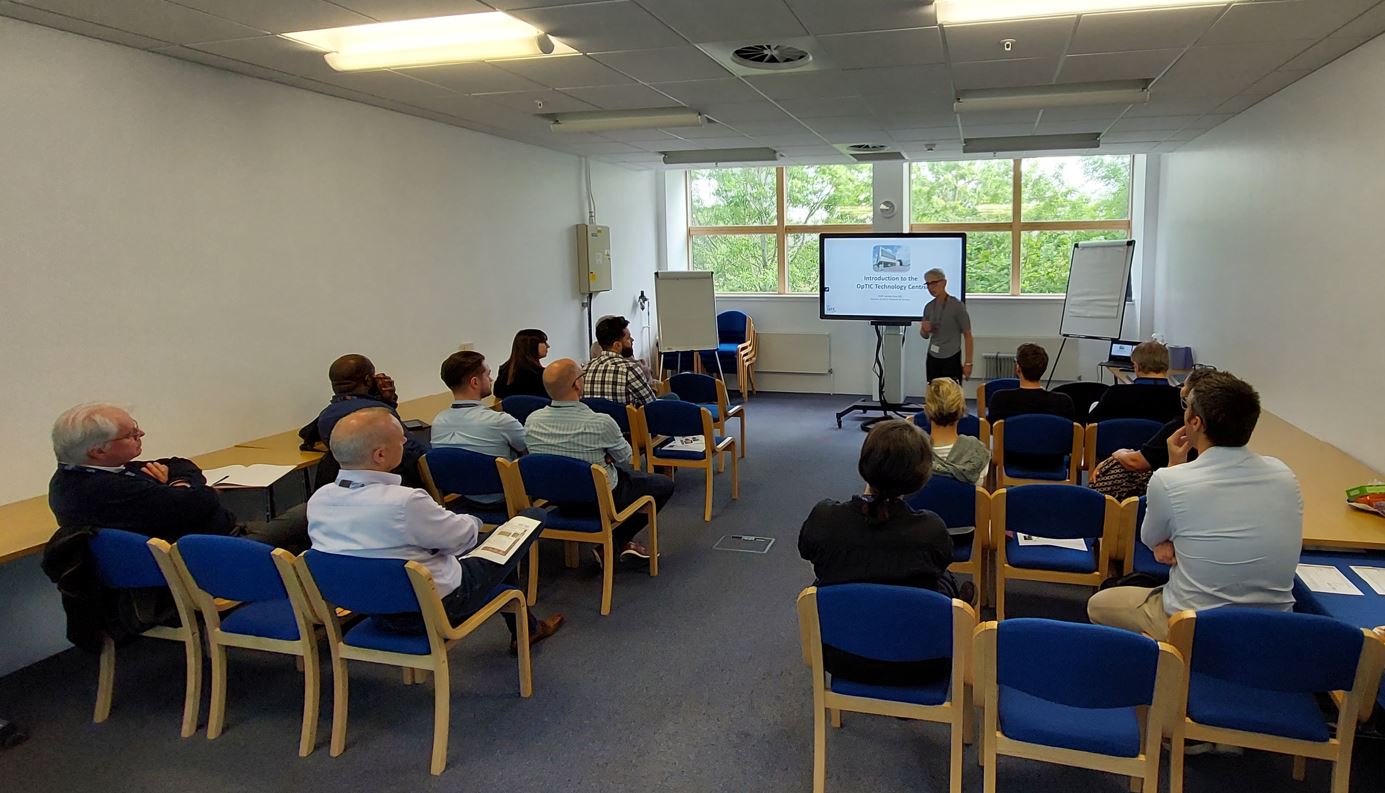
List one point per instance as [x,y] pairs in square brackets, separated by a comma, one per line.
[1119,356]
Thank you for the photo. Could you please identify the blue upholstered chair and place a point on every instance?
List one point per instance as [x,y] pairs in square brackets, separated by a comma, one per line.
[590,515]
[273,616]
[1137,556]
[1078,695]
[450,473]
[624,416]
[663,420]
[887,623]
[710,393]
[737,350]
[1059,512]
[125,560]
[990,388]
[1037,434]
[974,426]
[1253,679]
[393,586]
[1105,437]
[521,405]
[960,504]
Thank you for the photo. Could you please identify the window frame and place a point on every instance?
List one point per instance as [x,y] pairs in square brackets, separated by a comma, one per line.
[1016,226]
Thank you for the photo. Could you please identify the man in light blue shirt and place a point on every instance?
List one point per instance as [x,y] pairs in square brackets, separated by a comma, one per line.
[1230,523]
[470,425]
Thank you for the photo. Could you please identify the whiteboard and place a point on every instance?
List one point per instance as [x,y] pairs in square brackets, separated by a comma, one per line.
[1097,284]
[687,308]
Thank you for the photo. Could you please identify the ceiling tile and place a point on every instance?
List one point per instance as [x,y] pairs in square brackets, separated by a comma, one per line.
[1164,103]
[606,147]
[851,16]
[776,139]
[708,130]
[621,97]
[995,130]
[391,10]
[1028,117]
[1228,68]
[925,134]
[527,102]
[754,128]
[387,84]
[638,135]
[567,71]
[1129,124]
[662,65]
[922,82]
[1371,23]
[473,78]
[1142,30]
[1138,136]
[601,27]
[726,20]
[1034,38]
[886,48]
[1137,65]
[79,26]
[273,52]
[824,108]
[727,142]
[1245,23]
[1066,127]
[849,127]
[280,16]
[747,112]
[1210,120]
[1004,74]
[804,85]
[155,19]
[1276,81]
[1325,52]
[1240,104]
[702,92]
[1107,113]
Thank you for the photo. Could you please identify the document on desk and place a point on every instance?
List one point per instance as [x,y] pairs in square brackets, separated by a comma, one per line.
[505,540]
[1072,545]
[258,475]
[1326,579]
[1375,576]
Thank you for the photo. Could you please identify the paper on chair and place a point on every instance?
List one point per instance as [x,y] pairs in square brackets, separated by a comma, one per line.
[1375,576]
[1072,545]
[685,443]
[1326,579]
[505,540]
[258,475]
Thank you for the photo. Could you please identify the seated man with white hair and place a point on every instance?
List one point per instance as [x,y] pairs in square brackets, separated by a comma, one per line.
[368,513]
[100,484]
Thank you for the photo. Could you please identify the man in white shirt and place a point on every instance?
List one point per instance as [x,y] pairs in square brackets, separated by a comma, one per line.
[470,425]
[366,512]
[1230,522]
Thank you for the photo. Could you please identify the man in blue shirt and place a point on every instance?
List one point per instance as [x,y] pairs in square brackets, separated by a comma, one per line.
[470,425]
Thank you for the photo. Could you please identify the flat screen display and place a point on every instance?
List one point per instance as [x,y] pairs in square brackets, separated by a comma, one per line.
[881,276]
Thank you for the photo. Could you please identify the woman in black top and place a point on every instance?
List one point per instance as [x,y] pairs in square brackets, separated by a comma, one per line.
[523,372]
[876,538]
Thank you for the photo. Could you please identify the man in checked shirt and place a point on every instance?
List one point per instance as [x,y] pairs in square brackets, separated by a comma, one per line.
[615,374]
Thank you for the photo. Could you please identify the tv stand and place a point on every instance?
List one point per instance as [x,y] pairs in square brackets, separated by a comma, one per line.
[889,360]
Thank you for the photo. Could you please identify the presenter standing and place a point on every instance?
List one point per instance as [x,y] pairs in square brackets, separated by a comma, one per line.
[947,327]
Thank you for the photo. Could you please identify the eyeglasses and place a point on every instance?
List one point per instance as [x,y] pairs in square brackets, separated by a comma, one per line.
[133,434]
[935,283]
[1184,402]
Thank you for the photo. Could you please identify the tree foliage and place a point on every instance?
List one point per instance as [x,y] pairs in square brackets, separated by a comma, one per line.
[1070,189]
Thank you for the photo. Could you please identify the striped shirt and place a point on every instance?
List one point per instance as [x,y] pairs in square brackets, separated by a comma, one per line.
[621,379]
[571,429]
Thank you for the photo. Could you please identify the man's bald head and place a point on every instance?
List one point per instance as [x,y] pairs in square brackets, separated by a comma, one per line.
[370,439]
[562,380]
[351,374]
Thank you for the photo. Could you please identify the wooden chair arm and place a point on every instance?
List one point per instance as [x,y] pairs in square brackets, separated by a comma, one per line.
[450,497]
[454,632]
[639,504]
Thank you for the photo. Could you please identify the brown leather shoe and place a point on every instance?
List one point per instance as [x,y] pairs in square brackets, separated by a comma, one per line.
[540,631]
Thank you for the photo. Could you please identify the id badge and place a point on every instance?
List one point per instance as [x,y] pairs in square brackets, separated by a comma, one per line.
[935,348]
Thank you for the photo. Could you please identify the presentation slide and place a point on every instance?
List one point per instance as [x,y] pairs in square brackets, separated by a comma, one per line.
[880,276]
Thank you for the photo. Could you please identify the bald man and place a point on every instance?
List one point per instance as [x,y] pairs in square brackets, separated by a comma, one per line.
[569,428]
[100,483]
[369,513]
[356,386]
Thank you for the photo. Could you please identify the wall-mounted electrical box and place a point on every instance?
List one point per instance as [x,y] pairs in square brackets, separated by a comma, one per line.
[593,258]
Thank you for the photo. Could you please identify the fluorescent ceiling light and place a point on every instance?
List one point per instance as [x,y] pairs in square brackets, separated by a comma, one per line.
[717,156]
[957,12]
[430,42]
[607,120]
[1122,92]
[1080,140]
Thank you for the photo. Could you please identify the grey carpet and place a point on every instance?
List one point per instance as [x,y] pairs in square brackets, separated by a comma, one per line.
[693,683]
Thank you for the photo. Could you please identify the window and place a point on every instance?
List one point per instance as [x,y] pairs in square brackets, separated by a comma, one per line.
[1022,216]
[757,228]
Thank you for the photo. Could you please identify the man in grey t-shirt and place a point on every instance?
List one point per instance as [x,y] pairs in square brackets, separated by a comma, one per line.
[947,327]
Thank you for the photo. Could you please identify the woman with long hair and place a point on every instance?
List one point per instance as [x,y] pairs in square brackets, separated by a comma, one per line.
[955,456]
[523,372]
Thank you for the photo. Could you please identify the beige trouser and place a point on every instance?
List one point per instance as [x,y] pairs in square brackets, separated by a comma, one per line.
[1131,608]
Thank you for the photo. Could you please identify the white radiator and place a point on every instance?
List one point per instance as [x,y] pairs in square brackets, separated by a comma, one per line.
[996,356]
[999,364]
[797,353]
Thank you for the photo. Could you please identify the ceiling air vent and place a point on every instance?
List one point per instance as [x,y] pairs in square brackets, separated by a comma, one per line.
[771,57]
[867,147]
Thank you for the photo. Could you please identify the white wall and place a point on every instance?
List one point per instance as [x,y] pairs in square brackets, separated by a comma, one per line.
[200,245]
[1270,251]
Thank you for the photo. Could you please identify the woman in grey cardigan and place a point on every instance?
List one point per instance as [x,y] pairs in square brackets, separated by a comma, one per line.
[959,457]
